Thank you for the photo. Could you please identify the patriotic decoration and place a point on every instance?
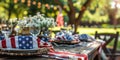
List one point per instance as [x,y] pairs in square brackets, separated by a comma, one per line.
[85,37]
[59,36]
[24,42]
[66,36]
[45,37]
[2,37]
[66,55]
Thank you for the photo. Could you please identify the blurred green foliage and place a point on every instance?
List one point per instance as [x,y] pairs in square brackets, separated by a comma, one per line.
[96,11]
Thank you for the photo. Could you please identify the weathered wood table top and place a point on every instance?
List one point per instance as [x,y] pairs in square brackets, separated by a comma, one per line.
[91,49]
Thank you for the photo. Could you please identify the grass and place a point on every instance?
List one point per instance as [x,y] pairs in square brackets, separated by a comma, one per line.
[111,45]
[91,31]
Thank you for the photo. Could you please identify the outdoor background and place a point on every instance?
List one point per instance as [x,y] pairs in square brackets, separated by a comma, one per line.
[87,16]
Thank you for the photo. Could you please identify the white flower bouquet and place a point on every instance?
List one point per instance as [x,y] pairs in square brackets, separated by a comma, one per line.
[42,23]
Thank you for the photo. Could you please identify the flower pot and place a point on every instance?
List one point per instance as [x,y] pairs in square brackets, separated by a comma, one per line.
[25,31]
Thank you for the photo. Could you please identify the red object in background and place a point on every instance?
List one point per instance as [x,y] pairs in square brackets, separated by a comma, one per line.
[59,20]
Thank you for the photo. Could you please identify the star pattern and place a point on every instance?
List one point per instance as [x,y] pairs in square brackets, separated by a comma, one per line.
[2,37]
[25,42]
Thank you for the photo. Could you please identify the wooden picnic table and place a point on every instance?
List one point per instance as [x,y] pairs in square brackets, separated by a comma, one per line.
[91,49]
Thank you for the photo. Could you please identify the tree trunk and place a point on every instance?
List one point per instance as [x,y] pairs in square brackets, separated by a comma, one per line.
[9,15]
[71,18]
[17,16]
[76,27]
[81,12]
[115,20]
[112,16]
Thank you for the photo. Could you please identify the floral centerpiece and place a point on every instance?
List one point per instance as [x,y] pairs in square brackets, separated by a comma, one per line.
[37,22]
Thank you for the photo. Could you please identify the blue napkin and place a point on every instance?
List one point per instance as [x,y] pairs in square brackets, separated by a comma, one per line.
[86,37]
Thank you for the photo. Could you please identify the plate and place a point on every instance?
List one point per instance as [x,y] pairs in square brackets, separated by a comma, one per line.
[66,42]
[23,52]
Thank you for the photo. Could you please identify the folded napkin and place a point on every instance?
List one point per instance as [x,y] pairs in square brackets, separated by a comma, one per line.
[66,36]
[86,37]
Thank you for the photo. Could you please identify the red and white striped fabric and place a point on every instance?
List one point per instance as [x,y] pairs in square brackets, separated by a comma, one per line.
[67,55]
[13,43]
